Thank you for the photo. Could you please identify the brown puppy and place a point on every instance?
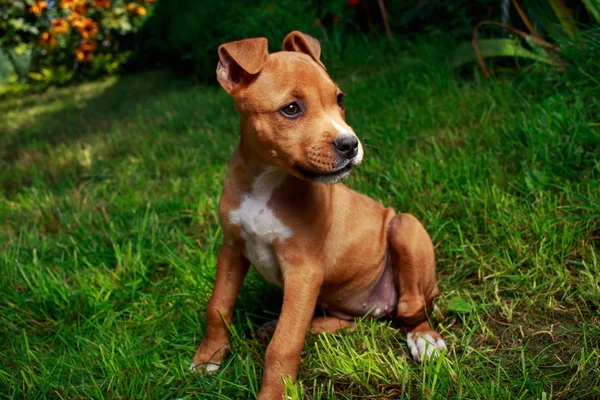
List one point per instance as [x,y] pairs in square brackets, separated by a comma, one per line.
[283,211]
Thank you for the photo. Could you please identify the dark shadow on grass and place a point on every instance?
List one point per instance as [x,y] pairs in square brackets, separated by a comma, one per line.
[71,118]
[259,301]
[94,110]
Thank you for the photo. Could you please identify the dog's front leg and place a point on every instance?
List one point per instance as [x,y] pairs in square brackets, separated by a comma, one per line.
[232,268]
[301,285]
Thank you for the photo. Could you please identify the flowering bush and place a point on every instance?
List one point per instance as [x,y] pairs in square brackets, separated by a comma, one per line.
[70,38]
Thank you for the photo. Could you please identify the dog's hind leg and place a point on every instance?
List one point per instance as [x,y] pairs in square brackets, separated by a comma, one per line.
[413,262]
[328,324]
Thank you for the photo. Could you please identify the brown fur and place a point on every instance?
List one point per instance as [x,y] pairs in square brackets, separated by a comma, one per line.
[342,242]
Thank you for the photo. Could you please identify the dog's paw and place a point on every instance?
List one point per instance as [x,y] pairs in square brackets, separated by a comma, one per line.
[204,367]
[423,346]
[208,357]
[265,332]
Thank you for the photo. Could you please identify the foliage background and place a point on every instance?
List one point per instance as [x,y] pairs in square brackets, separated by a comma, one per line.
[53,42]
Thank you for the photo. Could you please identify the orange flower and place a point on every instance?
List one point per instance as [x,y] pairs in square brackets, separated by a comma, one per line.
[88,29]
[73,4]
[131,7]
[76,19]
[82,10]
[59,26]
[47,40]
[85,52]
[141,11]
[38,7]
[102,3]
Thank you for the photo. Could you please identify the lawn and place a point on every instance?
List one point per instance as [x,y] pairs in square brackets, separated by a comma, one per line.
[109,234]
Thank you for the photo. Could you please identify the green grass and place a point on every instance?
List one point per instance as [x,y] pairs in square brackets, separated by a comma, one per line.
[109,235]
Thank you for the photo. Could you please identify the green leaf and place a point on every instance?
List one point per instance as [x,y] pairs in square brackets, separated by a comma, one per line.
[565,18]
[542,14]
[17,23]
[21,49]
[532,43]
[593,8]
[459,305]
[465,53]
[36,76]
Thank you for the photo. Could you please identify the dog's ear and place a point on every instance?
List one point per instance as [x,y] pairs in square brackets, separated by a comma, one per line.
[303,43]
[240,61]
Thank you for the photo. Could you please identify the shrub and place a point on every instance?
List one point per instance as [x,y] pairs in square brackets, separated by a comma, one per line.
[186,33]
[66,39]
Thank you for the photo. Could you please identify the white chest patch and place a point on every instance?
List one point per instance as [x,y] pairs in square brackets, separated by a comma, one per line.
[260,226]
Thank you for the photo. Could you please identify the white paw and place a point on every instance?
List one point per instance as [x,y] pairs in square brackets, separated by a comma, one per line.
[208,367]
[215,367]
[423,347]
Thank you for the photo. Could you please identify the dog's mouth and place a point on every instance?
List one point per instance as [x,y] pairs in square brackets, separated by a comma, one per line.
[326,177]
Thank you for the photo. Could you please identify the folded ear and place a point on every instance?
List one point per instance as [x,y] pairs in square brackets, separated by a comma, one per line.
[239,61]
[303,43]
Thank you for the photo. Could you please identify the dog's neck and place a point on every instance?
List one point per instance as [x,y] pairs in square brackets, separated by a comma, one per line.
[253,166]
[254,174]
[252,162]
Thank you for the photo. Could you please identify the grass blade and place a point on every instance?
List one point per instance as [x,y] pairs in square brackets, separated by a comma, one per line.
[543,15]
[593,8]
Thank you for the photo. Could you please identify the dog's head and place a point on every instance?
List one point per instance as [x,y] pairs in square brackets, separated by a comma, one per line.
[292,113]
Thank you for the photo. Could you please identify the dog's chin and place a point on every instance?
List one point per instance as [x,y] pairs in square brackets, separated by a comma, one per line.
[326,177]
[332,179]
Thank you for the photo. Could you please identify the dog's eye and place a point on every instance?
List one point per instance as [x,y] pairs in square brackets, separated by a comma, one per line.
[292,110]
[340,100]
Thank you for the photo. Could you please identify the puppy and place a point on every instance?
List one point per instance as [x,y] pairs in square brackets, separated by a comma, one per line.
[284,211]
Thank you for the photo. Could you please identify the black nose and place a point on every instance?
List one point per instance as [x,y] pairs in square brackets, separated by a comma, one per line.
[346,146]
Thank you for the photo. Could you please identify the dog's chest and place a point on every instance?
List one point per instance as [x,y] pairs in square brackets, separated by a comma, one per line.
[260,227]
